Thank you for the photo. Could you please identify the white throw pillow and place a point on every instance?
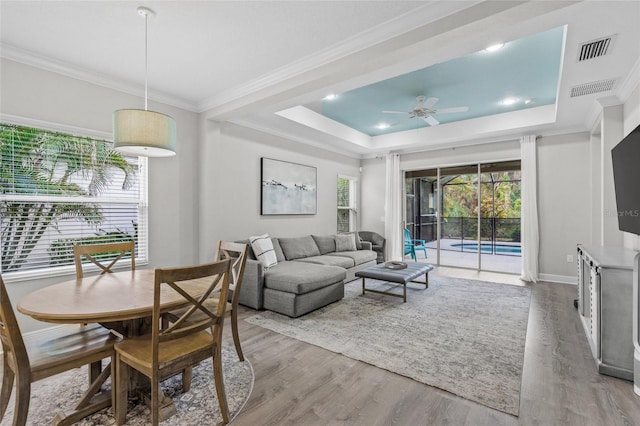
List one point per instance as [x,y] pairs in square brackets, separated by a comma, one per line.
[263,249]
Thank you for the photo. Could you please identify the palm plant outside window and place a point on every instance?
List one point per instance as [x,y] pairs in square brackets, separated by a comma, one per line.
[347,208]
[58,190]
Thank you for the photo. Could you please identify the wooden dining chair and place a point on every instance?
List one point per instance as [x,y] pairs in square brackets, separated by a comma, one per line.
[91,252]
[174,346]
[237,253]
[27,360]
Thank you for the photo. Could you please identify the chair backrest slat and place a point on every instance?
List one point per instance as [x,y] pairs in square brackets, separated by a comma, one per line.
[208,278]
[237,253]
[89,251]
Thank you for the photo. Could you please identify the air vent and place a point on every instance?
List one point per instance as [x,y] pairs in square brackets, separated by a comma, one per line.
[593,87]
[595,48]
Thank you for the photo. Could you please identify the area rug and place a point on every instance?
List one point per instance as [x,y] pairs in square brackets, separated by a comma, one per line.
[463,336]
[198,406]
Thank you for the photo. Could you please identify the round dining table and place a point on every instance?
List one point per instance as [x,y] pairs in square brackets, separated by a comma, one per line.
[106,298]
[120,301]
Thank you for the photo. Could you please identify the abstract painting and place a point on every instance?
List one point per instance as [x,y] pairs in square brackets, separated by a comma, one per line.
[287,188]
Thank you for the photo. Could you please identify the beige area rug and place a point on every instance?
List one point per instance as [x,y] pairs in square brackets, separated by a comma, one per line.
[198,406]
[466,337]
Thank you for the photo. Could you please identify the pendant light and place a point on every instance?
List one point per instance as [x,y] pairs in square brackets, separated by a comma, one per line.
[143,132]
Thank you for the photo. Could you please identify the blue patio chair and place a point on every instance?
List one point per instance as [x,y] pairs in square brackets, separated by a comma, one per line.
[413,245]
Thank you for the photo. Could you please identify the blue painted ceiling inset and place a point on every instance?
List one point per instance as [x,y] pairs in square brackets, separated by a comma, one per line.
[527,68]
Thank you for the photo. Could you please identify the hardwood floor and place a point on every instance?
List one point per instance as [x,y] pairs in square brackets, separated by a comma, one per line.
[301,384]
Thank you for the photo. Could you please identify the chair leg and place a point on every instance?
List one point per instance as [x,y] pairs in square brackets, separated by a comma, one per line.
[94,371]
[155,400]
[122,387]
[236,337]
[217,376]
[7,385]
[187,377]
[114,395]
[23,396]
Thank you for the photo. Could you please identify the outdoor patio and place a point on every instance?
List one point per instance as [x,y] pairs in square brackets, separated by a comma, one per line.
[452,256]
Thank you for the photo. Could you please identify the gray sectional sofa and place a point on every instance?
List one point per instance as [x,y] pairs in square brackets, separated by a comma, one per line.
[310,274]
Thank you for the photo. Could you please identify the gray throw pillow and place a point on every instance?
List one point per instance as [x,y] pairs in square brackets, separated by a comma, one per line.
[296,248]
[345,242]
[357,239]
[278,249]
[326,244]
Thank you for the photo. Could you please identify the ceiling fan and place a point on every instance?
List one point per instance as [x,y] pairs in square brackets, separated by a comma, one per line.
[425,109]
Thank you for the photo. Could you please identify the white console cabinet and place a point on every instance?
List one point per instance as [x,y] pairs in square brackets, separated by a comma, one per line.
[605,305]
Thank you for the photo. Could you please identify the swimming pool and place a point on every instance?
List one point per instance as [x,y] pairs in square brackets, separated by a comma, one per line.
[488,248]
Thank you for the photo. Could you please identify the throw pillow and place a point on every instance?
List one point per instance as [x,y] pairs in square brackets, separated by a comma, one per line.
[263,249]
[278,249]
[358,240]
[345,242]
[299,247]
[326,244]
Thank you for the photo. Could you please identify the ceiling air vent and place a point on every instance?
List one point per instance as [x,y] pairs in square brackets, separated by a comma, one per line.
[595,48]
[593,87]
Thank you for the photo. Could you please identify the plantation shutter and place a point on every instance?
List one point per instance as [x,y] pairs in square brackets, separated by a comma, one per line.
[58,190]
[346,204]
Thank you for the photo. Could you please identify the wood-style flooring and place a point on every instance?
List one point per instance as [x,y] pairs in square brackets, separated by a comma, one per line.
[301,384]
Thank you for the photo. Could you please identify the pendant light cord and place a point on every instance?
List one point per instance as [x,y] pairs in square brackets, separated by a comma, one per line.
[146,65]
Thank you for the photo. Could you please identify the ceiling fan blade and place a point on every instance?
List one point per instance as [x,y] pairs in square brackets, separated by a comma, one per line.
[430,102]
[395,112]
[432,121]
[399,122]
[453,109]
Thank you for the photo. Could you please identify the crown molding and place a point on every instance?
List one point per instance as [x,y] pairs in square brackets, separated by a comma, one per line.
[53,65]
[416,18]
[630,82]
[621,94]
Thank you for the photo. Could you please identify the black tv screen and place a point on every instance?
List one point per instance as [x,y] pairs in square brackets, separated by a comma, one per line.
[626,178]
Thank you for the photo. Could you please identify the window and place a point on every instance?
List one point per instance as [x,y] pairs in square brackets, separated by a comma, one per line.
[58,190]
[347,205]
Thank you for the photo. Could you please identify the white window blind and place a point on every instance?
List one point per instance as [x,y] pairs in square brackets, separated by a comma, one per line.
[58,190]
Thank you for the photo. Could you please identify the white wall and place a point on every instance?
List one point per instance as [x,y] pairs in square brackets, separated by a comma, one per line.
[372,195]
[564,201]
[41,95]
[230,185]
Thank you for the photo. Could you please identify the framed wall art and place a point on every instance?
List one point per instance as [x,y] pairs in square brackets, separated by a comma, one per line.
[287,188]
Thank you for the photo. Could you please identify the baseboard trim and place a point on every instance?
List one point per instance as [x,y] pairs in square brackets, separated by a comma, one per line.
[563,279]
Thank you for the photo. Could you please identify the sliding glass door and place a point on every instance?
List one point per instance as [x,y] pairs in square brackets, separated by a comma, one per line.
[459,218]
[468,216]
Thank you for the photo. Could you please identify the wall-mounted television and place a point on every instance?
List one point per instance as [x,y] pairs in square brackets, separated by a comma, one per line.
[626,177]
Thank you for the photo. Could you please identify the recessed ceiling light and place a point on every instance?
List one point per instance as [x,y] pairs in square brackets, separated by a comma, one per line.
[529,101]
[509,101]
[494,47]
[382,126]
[330,97]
